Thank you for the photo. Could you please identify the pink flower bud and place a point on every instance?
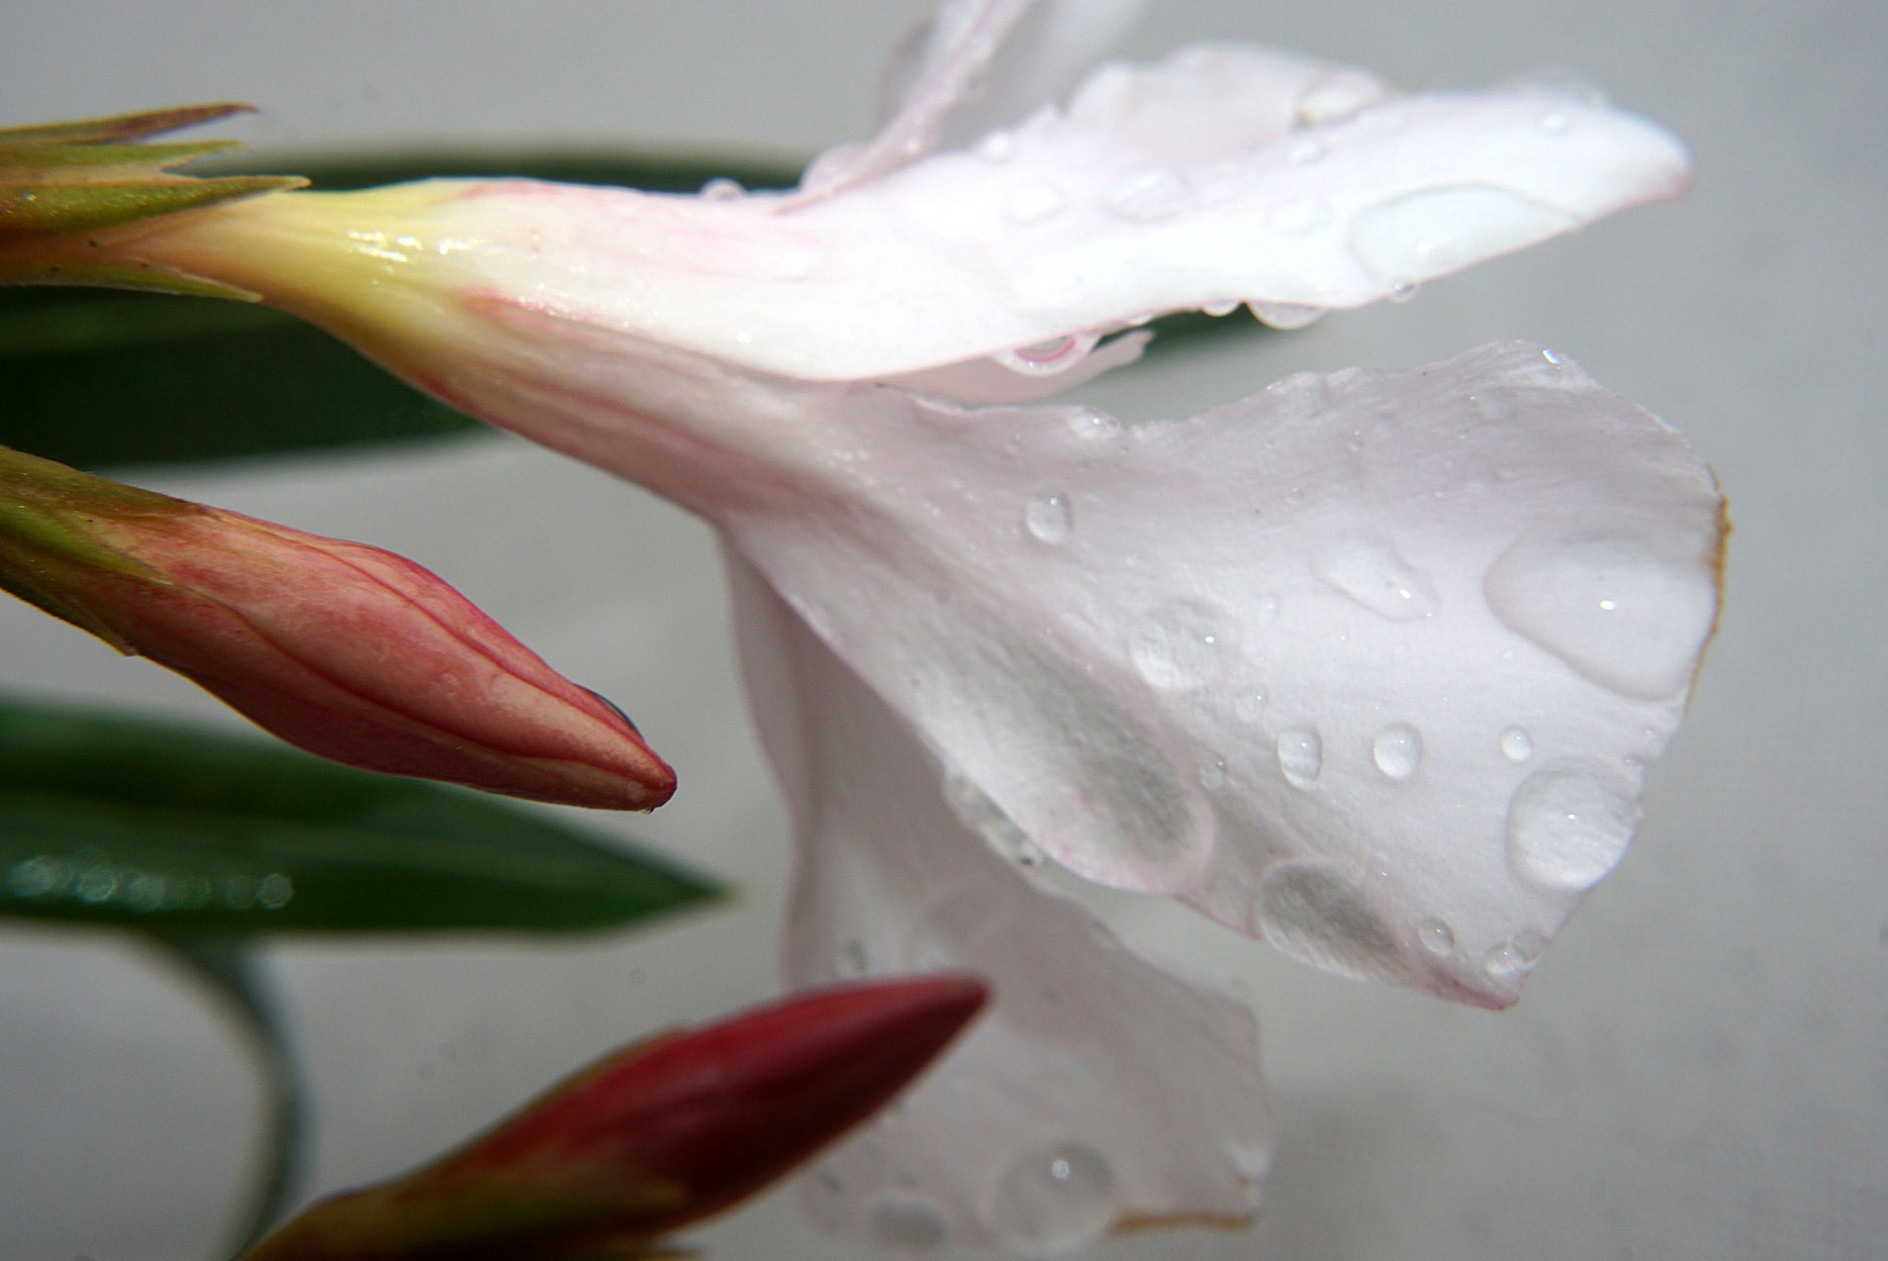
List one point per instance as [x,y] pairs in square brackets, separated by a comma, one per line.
[652,1138]
[348,651]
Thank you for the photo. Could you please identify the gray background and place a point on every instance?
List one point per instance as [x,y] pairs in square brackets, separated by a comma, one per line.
[1700,1067]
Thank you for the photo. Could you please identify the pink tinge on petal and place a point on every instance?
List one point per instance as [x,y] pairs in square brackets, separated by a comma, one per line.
[1047,1127]
[1369,666]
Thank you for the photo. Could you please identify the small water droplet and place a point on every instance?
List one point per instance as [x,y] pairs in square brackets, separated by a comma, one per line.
[1181,646]
[1555,122]
[1517,954]
[1033,203]
[1305,152]
[1088,423]
[1213,774]
[722,189]
[1437,937]
[1373,573]
[1150,194]
[1337,94]
[1397,751]
[1043,359]
[1249,704]
[998,146]
[1048,517]
[1402,289]
[907,1226]
[1053,1197]
[1300,216]
[1569,824]
[1285,315]
[1517,745]
[1631,613]
[1301,755]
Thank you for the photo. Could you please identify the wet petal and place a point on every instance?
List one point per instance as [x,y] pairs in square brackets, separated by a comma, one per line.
[1368,665]
[1046,1127]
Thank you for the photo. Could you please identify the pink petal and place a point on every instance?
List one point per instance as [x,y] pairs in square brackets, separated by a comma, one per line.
[1046,1126]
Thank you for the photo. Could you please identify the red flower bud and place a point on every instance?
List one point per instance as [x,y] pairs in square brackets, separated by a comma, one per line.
[652,1138]
[348,651]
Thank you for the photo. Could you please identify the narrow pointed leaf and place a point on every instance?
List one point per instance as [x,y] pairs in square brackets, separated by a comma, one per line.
[120,127]
[116,821]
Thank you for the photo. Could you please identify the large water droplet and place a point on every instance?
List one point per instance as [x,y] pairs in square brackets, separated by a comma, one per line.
[1320,915]
[1419,235]
[1569,824]
[1183,645]
[1397,751]
[1517,745]
[1048,517]
[1300,216]
[1033,202]
[1285,315]
[1373,573]
[1053,1197]
[1618,608]
[1301,755]
[1149,194]
[907,1226]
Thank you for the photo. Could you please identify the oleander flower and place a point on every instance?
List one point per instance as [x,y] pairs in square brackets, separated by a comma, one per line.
[1367,665]
[344,650]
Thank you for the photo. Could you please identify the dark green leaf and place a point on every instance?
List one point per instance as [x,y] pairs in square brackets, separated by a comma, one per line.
[108,820]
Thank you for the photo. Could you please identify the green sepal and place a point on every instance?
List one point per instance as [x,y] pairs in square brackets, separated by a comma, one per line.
[124,822]
[33,210]
[151,122]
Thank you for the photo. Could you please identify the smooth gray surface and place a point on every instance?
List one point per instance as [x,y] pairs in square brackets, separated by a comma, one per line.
[1700,1067]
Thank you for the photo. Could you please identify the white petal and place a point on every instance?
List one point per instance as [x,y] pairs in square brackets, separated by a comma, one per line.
[1368,665]
[1184,185]
[1098,1091]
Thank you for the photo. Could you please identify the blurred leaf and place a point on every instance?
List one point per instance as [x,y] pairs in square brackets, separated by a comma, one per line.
[127,822]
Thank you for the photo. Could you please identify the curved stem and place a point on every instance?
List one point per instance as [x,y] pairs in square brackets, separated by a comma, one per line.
[230,970]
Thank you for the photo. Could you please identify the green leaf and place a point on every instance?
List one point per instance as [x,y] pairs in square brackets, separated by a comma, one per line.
[117,821]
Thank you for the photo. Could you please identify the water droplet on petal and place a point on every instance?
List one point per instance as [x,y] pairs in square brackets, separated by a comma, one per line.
[1092,424]
[1219,310]
[1517,954]
[1569,824]
[1397,751]
[1033,203]
[722,189]
[1213,774]
[1416,236]
[1301,755]
[1437,937]
[1517,745]
[998,146]
[1042,359]
[1285,315]
[1372,572]
[1337,94]
[1048,517]
[1305,152]
[1402,289]
[1320,915]
[1181,646]
[1249,705]
[1618,608]
[1054,1197]
[1555,122]
[1300,216]
[907,1226]
[1150,194]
